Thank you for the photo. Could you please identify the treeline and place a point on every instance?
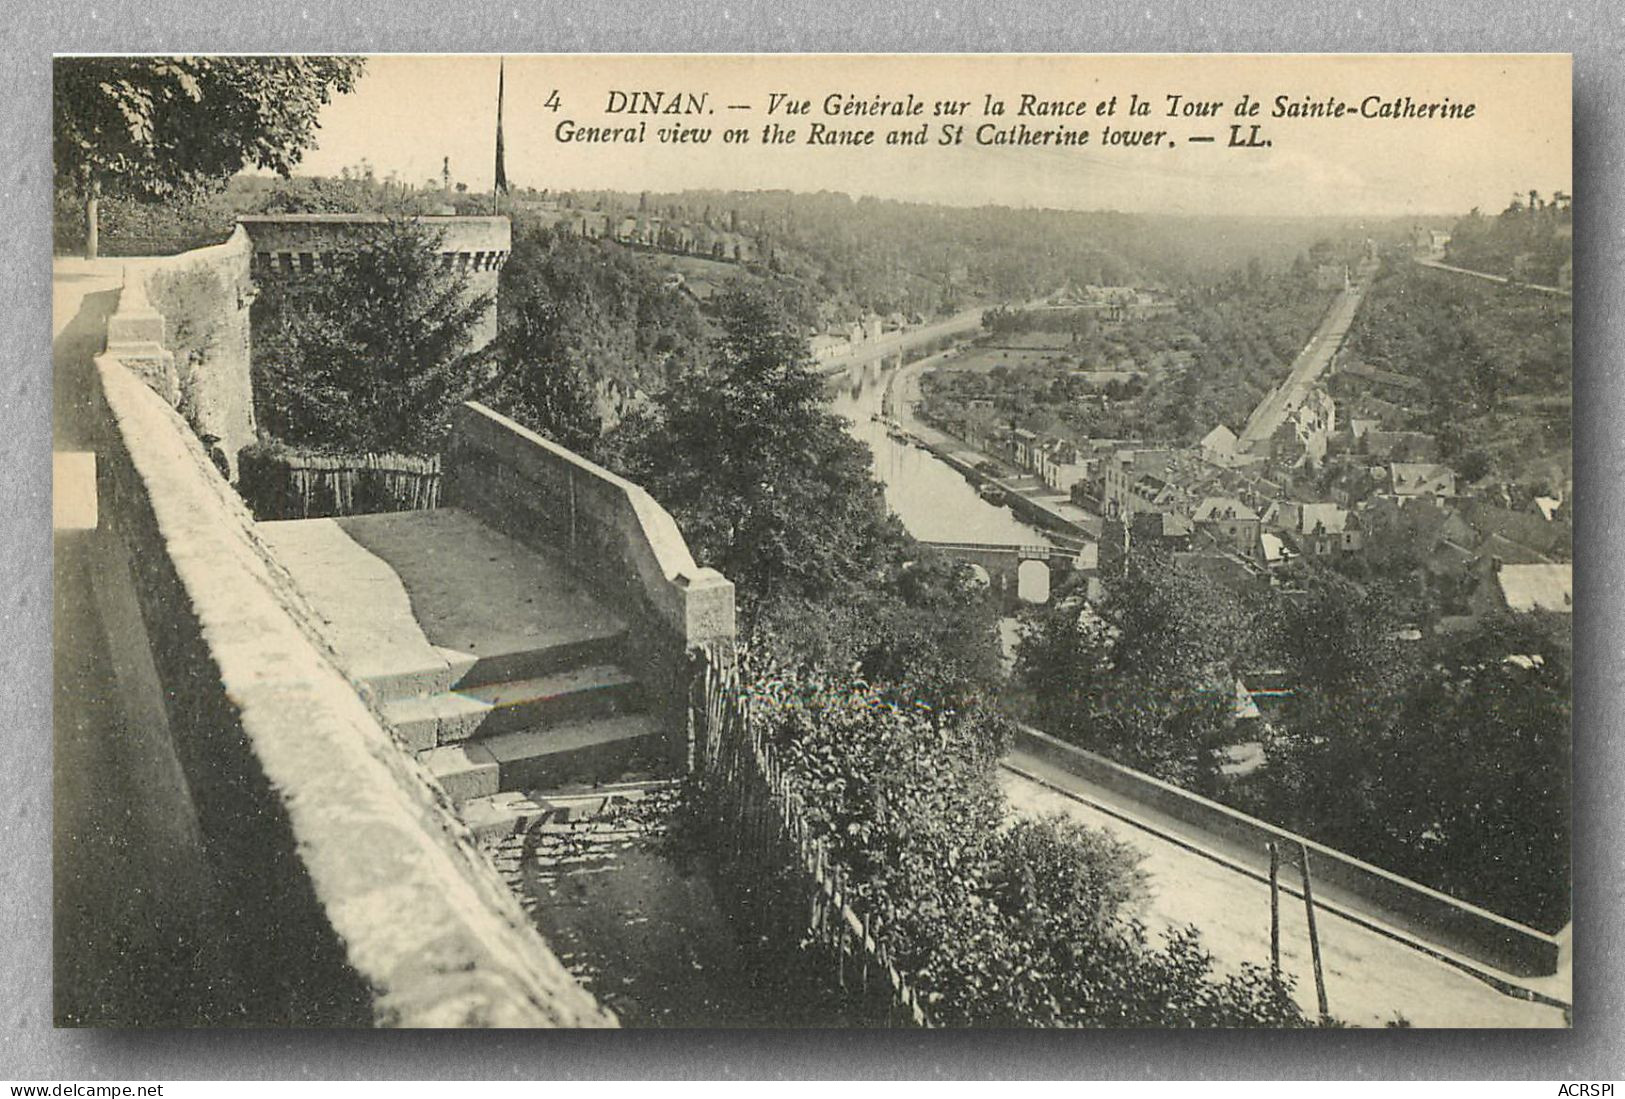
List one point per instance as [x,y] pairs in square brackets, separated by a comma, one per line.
[134,227]
[1445,760]
[879,255]
[1529,241]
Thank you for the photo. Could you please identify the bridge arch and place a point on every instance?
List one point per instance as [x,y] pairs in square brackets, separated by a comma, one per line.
[1033,580]
[1016,575]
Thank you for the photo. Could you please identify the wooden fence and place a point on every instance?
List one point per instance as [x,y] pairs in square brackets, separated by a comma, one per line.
[785,879]
[284,484]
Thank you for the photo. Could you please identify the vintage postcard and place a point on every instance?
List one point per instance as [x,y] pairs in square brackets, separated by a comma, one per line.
[805,541]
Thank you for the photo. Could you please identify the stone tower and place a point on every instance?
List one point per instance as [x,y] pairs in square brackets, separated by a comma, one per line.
[298,245]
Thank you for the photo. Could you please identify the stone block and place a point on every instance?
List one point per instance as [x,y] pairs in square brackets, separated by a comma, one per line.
[135,326]
[464,771]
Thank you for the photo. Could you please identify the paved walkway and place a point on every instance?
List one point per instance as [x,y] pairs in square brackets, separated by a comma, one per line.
[1371,978]
[132,887]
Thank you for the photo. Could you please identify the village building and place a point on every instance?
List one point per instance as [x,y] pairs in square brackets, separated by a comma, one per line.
[1526,589]
[1122,492]
[1422,479]
[1326,529]
[1219,446]
[1233,524]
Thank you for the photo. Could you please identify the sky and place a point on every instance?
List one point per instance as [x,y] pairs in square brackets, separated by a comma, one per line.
[410,111]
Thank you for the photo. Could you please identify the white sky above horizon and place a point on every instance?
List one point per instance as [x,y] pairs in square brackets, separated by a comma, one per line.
[409,111]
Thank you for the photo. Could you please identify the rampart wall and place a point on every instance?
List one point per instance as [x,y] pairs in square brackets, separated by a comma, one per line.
[350,895]
[182,323]
[623,544]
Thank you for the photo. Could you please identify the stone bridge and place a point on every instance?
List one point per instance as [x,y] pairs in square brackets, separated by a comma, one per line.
[1003,563]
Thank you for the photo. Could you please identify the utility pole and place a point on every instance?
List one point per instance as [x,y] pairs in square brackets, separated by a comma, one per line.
[1314,937]
[1275,911]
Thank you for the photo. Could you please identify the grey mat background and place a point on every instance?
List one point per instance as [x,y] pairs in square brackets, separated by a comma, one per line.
[1593,30]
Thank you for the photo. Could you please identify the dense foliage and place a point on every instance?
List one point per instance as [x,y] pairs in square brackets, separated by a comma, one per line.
[1033,923]
[1147,677]
[374,354]
[1496,363]
[1530,242]
[877,255]
[1445,760]
[1206,362]
[771,489]
[586,331]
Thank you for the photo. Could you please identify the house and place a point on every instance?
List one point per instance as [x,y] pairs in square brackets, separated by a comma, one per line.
[825,346]
[1422,479]
[1219,446]
[1061,465]
[1276,551]
[1549,507]
[1325,529]
[1165,528]
[1332,276]
[1306,431]
[1121,492]
[1025,448]
[1233,524]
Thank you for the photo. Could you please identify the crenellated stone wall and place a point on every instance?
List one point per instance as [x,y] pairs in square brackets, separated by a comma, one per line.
[300,245]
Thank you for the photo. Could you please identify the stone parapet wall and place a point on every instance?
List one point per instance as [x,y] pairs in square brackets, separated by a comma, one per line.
[199,301]
[604,525]
[351,894]
[1432,916]
[610,531]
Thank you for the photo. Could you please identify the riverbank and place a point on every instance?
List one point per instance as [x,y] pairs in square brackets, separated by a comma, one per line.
[1027,496]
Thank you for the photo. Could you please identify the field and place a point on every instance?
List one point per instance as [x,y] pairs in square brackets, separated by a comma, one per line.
[983,359]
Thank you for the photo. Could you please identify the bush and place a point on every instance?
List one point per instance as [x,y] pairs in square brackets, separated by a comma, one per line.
[1031,923]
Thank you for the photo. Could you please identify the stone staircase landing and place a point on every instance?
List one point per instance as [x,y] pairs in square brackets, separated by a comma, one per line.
[490,660]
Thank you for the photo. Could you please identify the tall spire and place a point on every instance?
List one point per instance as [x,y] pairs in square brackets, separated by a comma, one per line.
[500,180]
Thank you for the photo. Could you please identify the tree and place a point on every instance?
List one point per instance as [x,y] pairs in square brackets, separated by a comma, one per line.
[372,356]
[764,480]
[165,127]
[1146,678]
[1472,780]
[584,331]
[1031,923]
[536,381]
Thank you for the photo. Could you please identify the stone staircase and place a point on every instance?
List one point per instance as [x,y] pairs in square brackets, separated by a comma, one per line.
[568,716]
[494,666]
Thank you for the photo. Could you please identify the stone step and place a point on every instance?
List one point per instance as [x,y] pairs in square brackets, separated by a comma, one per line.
[529,663]
[436,720]
[605,750]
